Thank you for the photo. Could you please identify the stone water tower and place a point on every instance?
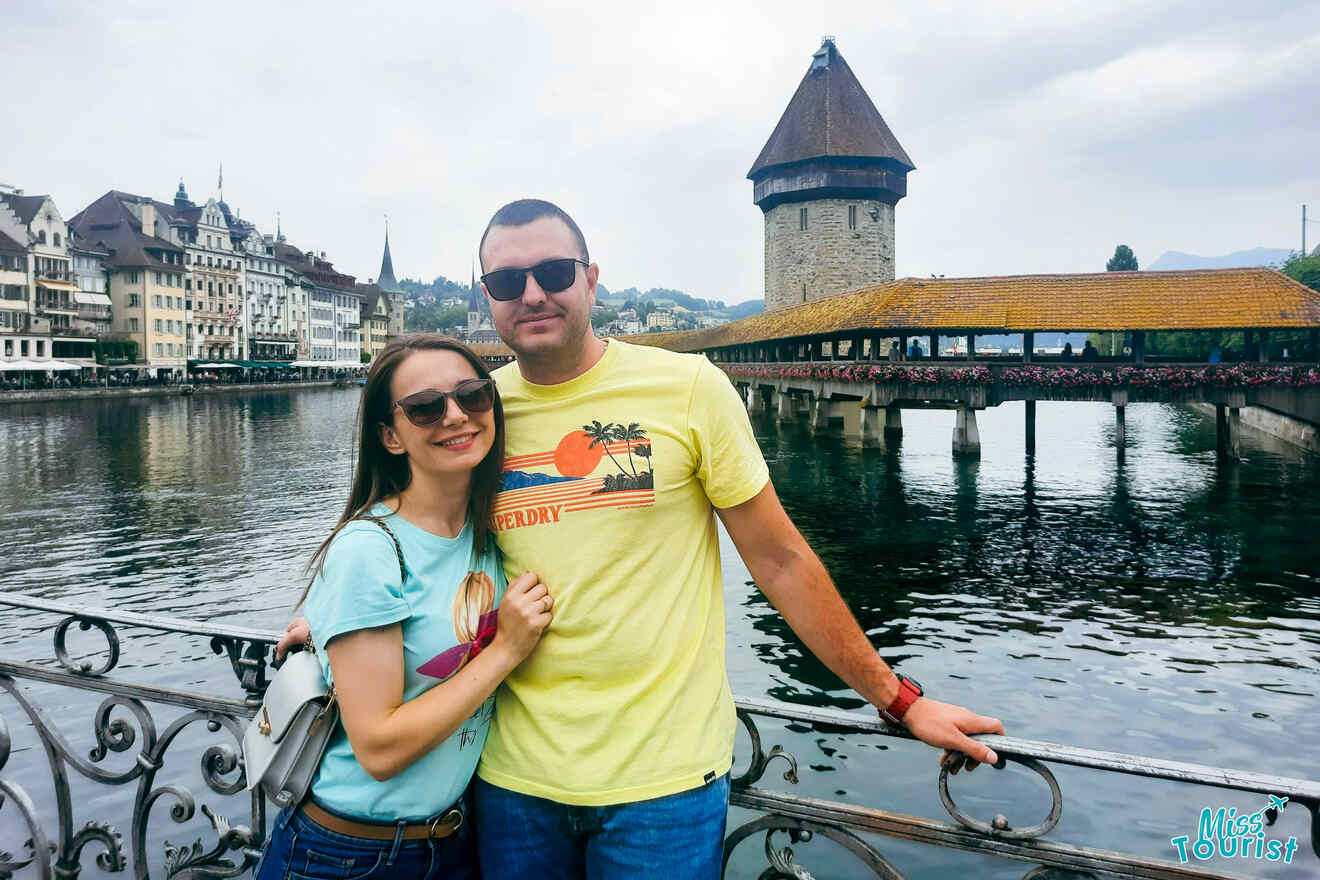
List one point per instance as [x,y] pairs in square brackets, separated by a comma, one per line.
[827,181]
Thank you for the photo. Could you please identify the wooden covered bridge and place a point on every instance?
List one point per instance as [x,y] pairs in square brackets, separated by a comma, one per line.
[843,358]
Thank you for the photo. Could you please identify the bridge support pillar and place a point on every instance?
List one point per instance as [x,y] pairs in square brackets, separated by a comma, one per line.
[966,438]
[785,411]
[893,420]
[852,419]
[872,434]
[819,422]
[755,399]
[1228,429]
[1030,435]
[1120,399]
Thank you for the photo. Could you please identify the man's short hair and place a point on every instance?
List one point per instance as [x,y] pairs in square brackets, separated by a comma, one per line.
[524,211]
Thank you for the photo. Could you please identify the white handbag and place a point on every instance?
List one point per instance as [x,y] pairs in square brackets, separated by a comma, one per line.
[283,745]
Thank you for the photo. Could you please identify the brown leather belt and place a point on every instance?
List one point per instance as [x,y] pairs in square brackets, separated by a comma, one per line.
[441,826]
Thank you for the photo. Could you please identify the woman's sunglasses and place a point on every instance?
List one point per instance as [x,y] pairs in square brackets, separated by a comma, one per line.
[428,407]
[552,275]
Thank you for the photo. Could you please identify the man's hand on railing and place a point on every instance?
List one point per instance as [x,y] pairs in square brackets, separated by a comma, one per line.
[947,726]
[298,632]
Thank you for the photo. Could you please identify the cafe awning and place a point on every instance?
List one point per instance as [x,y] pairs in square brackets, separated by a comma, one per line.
[22,365]
[91,299]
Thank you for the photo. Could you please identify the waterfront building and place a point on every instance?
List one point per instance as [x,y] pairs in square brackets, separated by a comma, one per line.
[271,335]
[93,317]
[300,291]
[334,312]
[42,316]
[24,334]
[15,285]
[215,278]
[827,182]
[146,275]
[376,319]
[393,292]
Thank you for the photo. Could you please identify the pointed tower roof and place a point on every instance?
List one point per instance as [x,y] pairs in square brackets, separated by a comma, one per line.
[476,302]
[386,278]
[830,115]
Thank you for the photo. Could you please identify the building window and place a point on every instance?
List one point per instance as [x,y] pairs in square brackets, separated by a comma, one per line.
[57,239]
[852,216]
[41,348]
[41,238]
[158,324]
[133,324]
[155,300]
[802,218]
[134,300]
[155,349]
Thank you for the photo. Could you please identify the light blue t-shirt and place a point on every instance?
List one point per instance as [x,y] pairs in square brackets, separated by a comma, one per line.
[443,602]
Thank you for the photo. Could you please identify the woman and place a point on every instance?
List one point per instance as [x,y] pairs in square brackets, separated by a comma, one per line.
[401,609]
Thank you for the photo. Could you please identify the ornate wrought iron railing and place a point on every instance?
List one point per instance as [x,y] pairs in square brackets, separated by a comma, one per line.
[124,722]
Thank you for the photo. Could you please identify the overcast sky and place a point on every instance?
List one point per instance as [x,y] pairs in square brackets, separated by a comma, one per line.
[1044,133]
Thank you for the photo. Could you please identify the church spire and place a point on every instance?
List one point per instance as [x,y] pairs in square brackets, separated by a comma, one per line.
[386,278]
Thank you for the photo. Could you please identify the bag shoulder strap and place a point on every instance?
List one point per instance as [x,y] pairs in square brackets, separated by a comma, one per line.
[398,548]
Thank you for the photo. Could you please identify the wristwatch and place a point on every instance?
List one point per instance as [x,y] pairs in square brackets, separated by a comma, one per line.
[908,691]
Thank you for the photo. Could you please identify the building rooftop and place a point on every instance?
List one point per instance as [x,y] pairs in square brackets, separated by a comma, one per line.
[26,207]
[1206,299]
[830,115]
[386,279]
[110,222]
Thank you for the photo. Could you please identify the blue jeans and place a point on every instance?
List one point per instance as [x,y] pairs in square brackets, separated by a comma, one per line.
[299,849]
[677,837]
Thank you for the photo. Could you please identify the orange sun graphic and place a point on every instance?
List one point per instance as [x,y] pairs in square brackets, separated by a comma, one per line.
[575,456]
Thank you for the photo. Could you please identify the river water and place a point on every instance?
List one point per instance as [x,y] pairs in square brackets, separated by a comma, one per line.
[1154,603]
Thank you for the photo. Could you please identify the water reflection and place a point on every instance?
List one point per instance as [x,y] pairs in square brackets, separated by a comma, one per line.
[1159,603]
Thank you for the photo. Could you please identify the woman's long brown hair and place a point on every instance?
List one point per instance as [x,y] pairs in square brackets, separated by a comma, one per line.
[380,473]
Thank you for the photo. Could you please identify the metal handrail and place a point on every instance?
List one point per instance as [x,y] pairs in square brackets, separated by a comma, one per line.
[250,654]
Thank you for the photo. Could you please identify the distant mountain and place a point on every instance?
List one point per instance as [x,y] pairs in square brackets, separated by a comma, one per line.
[677,297]
[1261,256]
[745,309]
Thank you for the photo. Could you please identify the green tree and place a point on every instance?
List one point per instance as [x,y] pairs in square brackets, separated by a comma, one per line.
[1123,260]
[1303,268]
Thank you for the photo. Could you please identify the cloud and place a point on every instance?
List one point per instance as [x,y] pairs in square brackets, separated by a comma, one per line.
[1043,132]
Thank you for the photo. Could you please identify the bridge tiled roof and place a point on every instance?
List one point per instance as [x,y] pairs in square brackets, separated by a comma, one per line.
[1204,299]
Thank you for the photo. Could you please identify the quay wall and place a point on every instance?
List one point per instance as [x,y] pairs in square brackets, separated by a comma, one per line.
[1291,402]
[1269,421]
[96,392]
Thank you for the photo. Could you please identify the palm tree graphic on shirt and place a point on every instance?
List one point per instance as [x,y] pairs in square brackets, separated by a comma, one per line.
[635,440]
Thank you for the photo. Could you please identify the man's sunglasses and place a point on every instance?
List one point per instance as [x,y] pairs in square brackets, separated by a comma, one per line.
[552,275]
[428,407]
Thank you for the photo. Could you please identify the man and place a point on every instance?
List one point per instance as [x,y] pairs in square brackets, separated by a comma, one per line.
[610,748]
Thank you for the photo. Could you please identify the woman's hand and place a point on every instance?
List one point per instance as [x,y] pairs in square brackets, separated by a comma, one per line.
[298,632]
[524,613]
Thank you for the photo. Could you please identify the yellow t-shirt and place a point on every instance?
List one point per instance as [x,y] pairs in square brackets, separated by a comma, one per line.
[608,489]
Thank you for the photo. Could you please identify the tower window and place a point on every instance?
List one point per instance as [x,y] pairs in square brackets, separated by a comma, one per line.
[852,216]
[802,218]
